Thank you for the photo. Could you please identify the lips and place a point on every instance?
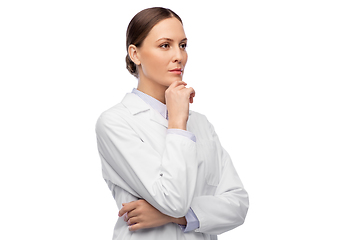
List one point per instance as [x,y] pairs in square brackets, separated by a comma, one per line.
[176,70]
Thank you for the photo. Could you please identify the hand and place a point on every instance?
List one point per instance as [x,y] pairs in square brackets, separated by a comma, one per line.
[178,98]
[140,214]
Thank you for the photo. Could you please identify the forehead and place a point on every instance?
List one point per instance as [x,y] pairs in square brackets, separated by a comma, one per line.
[167,28]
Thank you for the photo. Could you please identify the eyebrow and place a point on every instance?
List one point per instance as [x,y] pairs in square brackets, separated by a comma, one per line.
[170,40]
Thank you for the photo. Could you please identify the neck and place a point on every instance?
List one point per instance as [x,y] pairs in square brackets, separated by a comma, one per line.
[152,89]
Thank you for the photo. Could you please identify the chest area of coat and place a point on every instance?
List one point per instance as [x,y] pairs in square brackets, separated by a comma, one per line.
[207,152]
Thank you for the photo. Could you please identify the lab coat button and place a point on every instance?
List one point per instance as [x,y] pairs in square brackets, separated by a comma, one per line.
[161,174]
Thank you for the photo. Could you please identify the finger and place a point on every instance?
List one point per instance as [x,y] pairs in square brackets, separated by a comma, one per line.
[192,95]
[127,207]
[191,91]
[181,86]
[133,220]
[126,216]
[123,210]
[177,83]
[132,208]
[136,227]
[130,214]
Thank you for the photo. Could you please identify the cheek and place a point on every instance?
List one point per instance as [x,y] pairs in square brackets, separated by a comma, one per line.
[155,63]
[185,57]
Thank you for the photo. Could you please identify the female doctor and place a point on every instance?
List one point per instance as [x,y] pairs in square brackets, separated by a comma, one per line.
[164,164]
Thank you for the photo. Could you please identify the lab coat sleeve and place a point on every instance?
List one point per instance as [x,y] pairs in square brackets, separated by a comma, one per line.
[227,208]
[167,181]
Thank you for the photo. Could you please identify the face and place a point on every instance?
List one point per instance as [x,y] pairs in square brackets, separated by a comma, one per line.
[162,56]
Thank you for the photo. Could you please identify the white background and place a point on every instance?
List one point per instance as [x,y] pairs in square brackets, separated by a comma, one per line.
[279,80]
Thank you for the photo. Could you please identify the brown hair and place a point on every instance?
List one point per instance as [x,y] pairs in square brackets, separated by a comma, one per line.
[140,26]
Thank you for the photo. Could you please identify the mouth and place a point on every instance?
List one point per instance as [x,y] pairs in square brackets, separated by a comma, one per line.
[176,71]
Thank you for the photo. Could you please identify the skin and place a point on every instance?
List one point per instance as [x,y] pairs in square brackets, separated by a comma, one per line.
[163,50]
[140,215]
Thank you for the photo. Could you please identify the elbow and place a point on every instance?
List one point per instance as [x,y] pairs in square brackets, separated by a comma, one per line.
[175,202]
[243,209]
[177,210]
[235,219]
[178,213]
[173,207]
[241,217]
[176,207]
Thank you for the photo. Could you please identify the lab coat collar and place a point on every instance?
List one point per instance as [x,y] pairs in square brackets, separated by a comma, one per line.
[136,105]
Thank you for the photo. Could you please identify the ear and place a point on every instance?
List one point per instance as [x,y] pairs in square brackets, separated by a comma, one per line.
[133,54]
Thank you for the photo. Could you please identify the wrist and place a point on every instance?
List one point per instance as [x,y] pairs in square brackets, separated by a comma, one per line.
[180,221]
[181,124]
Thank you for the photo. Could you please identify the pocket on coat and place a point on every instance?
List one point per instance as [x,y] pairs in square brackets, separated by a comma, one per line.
[208,153]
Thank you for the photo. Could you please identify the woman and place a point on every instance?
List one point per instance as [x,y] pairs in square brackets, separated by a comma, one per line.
[163,163]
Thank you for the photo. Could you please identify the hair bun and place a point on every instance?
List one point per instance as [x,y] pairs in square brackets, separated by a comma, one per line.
[131,66]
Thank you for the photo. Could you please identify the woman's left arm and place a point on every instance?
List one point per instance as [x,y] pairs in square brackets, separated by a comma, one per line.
[140,214]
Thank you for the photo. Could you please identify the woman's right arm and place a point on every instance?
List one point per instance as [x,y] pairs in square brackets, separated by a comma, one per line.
[166,181]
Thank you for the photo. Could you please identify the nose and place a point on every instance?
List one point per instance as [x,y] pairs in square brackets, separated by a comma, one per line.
[178,56]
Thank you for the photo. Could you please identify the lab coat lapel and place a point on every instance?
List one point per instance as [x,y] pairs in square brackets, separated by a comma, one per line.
[156,116]
[136,106]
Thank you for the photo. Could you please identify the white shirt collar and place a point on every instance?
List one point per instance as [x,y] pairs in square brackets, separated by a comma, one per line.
[154,103]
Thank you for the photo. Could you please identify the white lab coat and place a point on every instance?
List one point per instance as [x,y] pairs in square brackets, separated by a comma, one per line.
[172,172]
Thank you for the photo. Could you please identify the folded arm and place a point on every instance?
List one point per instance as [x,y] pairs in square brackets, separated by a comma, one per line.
[166,181]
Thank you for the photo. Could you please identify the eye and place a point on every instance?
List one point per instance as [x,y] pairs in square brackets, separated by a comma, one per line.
[183,45]
[165,45]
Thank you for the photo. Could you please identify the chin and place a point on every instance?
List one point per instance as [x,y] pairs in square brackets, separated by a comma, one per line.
[167,82]
[173,80]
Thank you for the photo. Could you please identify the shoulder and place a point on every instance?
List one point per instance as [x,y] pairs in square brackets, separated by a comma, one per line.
[114,116]
[199,117]
[118,110]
